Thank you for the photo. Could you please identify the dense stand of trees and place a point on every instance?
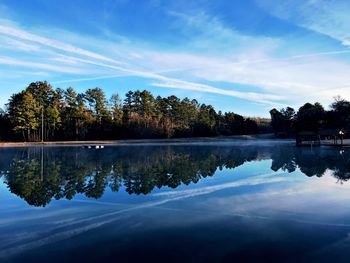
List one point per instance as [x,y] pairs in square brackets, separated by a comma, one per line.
[311,117]
[40,111]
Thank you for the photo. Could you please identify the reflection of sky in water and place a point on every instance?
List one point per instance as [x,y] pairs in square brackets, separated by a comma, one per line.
[277,215]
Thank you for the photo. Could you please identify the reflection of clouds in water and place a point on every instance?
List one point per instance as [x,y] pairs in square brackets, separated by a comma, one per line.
[261,179]
[328,180]
[58,234]
[319,202]
[4,193]
[51,238]
[53,215]
[106,218]
[169,196]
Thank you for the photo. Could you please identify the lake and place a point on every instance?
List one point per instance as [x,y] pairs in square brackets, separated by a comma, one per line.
[239,201]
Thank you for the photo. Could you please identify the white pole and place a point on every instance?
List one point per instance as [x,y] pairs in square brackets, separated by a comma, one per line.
[42,124]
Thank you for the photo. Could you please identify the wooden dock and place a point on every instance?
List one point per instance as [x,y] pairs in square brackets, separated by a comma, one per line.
[328,137]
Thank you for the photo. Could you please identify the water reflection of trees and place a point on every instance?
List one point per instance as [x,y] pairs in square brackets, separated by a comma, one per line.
[313,162]
[40,174]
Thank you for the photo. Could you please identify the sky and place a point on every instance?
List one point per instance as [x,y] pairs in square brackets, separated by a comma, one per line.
[245,56]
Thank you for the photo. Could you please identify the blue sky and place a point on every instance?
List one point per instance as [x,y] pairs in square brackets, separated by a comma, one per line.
[244,56]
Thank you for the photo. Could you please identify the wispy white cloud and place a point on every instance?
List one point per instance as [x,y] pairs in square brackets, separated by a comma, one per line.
[11,43]
[210,33]
[259,97]
[232,59]
[251,61]
[168,82]
[294,78]
[18,33]
[16,62]
[87,79]
[298,80]
[330,18]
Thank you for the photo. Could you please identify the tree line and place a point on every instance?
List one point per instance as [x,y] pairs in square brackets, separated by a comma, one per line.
[311,117]
[40,112]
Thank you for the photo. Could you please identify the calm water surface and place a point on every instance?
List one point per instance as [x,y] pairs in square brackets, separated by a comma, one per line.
[229,202]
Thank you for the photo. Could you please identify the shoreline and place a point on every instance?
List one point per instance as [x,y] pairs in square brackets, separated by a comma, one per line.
[194,140]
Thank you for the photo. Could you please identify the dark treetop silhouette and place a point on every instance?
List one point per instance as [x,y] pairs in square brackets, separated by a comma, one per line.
[311,118]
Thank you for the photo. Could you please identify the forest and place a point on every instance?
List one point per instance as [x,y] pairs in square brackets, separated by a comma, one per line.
[43,113]
[311,117]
